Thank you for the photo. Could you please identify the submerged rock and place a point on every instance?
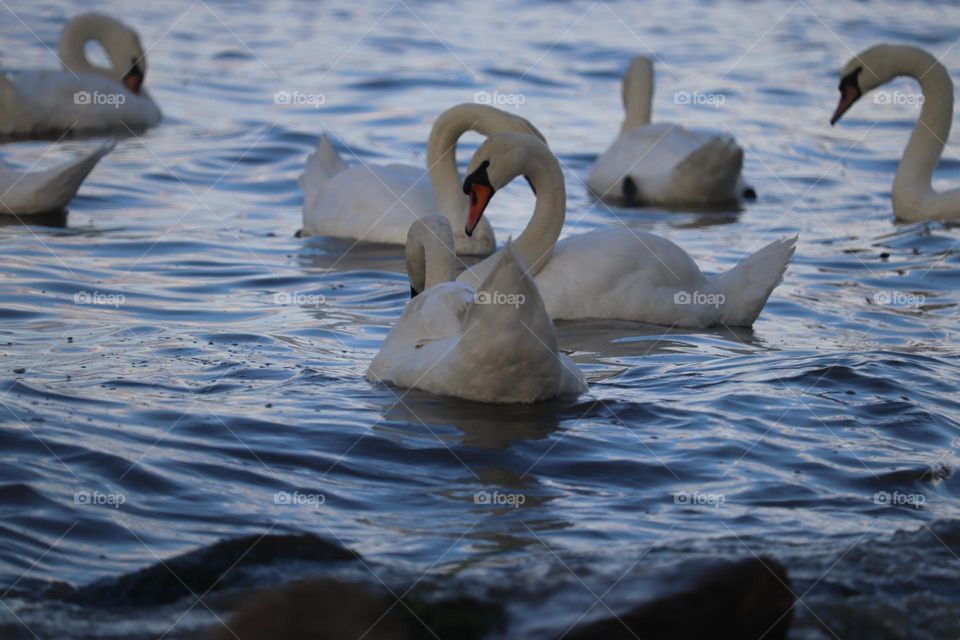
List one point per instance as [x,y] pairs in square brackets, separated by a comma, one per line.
[206,569]
[746,599]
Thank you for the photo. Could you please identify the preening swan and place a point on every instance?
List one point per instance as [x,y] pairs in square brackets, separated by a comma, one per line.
[493,344]
[913,194]
[82,96]
[664,163]
[378,203]
[32,192]
[612,273]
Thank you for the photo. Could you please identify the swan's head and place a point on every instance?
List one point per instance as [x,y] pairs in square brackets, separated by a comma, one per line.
[865,72]
[500,159]
[121,43]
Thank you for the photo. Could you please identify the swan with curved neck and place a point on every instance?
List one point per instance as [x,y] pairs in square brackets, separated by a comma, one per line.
[120,42]
[377,203]
[429,253]
[664,163]
[612,273]
[494,344]
[913,195]
[83,96]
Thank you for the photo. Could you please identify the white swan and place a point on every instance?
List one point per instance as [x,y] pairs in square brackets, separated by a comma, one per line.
[378,203]
[81,97]
[33,192]
[913,195]
[493,344]
[664,163]
[612,273]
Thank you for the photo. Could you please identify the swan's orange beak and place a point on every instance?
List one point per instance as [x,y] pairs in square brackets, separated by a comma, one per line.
[849,93]
[480,195]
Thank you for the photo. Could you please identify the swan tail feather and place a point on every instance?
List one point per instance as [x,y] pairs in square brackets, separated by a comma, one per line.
[747,286]
[54,188]
[324,163]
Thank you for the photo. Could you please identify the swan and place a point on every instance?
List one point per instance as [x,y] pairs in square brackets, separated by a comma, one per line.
[377,203]
[665,163]
[82,97]
[33,192]
[495,343]
[612,273]
[913,195]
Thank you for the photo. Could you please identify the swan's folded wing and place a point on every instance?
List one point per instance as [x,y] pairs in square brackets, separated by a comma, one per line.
[434,315]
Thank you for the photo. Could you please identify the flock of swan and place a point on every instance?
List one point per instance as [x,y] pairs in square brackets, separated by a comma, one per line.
[487,334]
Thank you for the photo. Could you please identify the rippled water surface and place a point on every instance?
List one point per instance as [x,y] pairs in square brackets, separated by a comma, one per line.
[231,366]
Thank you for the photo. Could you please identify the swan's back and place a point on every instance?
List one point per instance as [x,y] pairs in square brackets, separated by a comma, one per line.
[615,273]
[667,163]
[46,102]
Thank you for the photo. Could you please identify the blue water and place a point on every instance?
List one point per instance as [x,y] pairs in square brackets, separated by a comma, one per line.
[195,394]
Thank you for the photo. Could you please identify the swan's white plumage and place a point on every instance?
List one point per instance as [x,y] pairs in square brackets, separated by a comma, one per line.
[31,192]
[378,203]
[619,273]
[667,163]
[82,97]
[447,342]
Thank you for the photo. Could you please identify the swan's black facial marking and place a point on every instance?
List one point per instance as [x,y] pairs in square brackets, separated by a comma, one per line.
[477,186]
[631,193]
[479,176]
[849,93]
[133,78]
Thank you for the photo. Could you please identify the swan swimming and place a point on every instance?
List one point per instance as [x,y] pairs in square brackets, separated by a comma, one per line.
[378,203]
[665,163]
[612,273]
[82,97]
[913,195]
[494,343]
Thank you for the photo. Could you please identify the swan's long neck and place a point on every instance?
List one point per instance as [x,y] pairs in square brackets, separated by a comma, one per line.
[915,173]
[442,155]
[78,32]
[430,256]
[638,94]
[535,244]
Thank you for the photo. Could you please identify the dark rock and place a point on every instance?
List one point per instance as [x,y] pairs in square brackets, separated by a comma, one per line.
[205,569]
[336,610]
[746,599]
